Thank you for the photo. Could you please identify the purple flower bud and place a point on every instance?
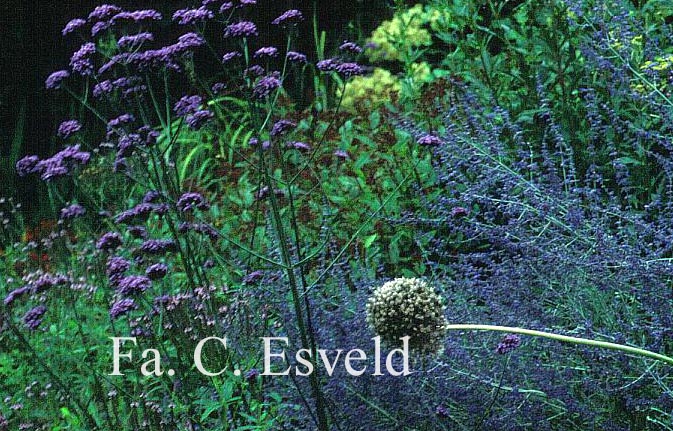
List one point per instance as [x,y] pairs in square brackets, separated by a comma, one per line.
[133,285]
[138,16]
[230,56]
[156,271]
[191,200]
[429,141]
[104,12]
[72,26]
[196,120]
[158,246]
[54,80]
[341,154]
[265,86]
[134,40]
[254,71]
[11,296]
[72,211]
[457,212]
[103,87]
[67,128]
[350,47]
[118,121]
[33,317]
[226,6]
[298,145]
[266,52]
[328,64]
[192,16]
[281,127]
[121,307]
[289,17]
[27,165]
[187,105]
[296,57]
[349,69]
[100,27]
[241,29]
[80,61]
[109,241]
[508,343]
[152,196]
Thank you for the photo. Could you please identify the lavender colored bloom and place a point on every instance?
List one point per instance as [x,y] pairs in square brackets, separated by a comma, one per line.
[158,246]
[109,241]
[266,52]
[142,211]
[47,281]
[118,121]
[67,128]
[255,70]
[134,40]
[253,277]
[442,411]
[191,200]
[248,2]
[328,64]
[196,120]
[349,69]
[226,6]
[350,47]
[126,144]
[156,271]
[80,61]
[104,12]
[457,212]
[152,196]
[429,141]
[289,17]
[138,16]
[341,154]
[60,163]
[296,57]
[72,211]
[33,317]
[192,16]
[230,56]
[148,135]
[281,127]
[133,285]
[241,29]
[100,27]
[11,296]
[103,87]
[27,165]
[218,87]
[265,86]
[189,40]
[138,232]
[508,343]
[115,268]
[121,307]
[73,25]
[54,80]
[298,145]
[187,105]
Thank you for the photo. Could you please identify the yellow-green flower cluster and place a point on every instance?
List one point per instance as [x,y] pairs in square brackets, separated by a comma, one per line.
[408,307]
[371,90]
[407,30]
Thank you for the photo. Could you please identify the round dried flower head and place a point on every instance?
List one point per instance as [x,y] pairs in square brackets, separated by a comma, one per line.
[241,29]
[408,307]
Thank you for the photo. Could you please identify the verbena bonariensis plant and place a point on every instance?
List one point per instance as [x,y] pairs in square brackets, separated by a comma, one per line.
[166,247]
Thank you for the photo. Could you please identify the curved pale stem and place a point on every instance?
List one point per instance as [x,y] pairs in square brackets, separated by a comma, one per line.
[564,338]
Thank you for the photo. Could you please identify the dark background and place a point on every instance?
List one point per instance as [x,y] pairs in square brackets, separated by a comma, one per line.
[31,47]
